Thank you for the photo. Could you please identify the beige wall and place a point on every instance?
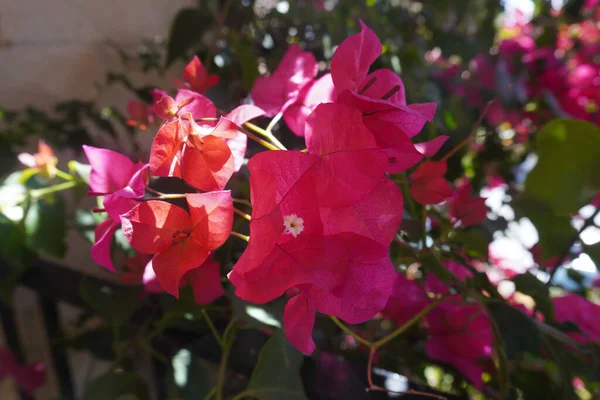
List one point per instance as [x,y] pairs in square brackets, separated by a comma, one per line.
[54,50]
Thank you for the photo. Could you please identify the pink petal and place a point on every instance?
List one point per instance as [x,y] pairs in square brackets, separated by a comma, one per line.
[431,147]
[238,145]
[298,320]
[386,80]
[111,171]
[206,282]
[199,106]
[407,299]
[151,284]
[352,59]
[296,69]
[376,217]
[352,165]
[244,113]
[101,249]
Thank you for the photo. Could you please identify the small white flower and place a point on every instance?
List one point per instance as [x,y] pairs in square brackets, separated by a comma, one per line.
[293,224]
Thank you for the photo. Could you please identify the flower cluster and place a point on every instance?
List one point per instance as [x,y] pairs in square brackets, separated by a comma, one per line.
[537,80]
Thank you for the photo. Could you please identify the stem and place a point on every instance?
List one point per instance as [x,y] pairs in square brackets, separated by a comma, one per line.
[257,139]
[156,192]
[266,134]
[228,337]
[471,136]
[240,236]
[273,122]
[211,393]
[242,214]
[167,197]
[242,201]
[349,332]
[411,322]
[37,193]
[588,222]
[212,327]
[424,228]
[64,175]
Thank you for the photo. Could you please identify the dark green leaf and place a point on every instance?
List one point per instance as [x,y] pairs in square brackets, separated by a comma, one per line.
[45,225]
[114,385]
[518,332]
[98,342]
[276,375]
[432,264]
[247,59]
[528,284]
[555,232]
[186,32]
[473,241]
[563,177]
[117,305]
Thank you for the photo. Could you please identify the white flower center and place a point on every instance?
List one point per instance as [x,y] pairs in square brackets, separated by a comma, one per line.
[293,224]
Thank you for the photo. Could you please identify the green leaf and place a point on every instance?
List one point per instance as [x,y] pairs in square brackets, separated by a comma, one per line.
[45,225]
[473,241]
[186,32]
[518,332]
[190,375]
[117,305]
[276,375]
[566,174]
[81,170]
[98,342]
[247,59]
[115,385]
[432,264]
[261,316]
[555,232]
[528,284]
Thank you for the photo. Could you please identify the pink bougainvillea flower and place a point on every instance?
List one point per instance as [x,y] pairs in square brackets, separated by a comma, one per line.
[114,172]
[312,94]
[276,92]
[408,299]
[186,101]
[466,210]
[206,282]
[580,311]
[179,241]
[139,271]
[427,183]
[380,96]
[197,154]
[122,181]
[321,226]
[196,77]
[139,114]
[461,335]
[292,90]
[29,378]
[44,160]
[205,155]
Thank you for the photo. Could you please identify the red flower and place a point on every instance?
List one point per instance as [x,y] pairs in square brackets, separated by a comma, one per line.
[28,377]
[427,183]
[380,97]
[179,241]
[197,78]
[139,114]
[467,210]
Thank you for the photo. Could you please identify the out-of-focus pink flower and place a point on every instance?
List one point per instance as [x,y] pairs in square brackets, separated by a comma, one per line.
[44,160]
[28,377]
[580,311]
[139,114]
[196,77]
